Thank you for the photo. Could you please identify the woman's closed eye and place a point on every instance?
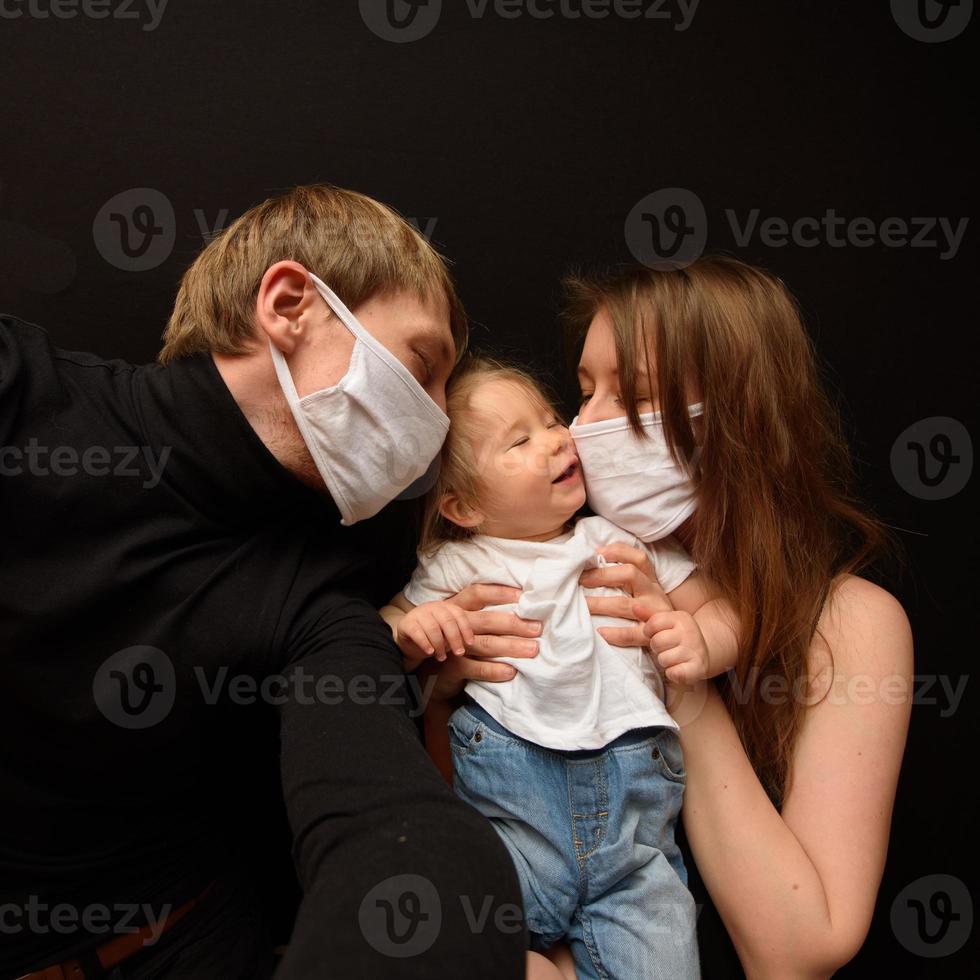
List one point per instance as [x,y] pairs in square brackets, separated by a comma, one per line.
[586,397]
[639,398]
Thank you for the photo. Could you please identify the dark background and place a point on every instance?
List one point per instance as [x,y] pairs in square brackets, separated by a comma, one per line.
[529,141]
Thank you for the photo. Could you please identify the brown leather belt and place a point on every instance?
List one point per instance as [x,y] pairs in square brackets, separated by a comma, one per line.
[103,958]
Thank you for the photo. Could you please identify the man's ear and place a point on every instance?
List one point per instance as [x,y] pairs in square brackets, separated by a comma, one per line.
[456,510]
[286,296]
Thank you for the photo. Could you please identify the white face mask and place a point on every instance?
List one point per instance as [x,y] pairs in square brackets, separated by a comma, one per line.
[634,482]
[373,433]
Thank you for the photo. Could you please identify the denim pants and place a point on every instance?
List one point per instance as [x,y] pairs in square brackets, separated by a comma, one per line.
[591,833]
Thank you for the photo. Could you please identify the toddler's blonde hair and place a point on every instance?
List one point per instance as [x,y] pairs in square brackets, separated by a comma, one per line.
[458,460]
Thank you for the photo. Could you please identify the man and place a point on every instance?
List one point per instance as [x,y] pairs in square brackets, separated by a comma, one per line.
[190,544]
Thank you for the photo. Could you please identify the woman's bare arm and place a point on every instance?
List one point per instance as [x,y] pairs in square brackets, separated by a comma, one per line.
[796,889]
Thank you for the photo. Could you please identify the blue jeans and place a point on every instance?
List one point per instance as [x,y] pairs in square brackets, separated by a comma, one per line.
[591,833]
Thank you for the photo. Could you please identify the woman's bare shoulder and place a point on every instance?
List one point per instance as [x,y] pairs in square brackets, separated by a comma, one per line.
[865,628]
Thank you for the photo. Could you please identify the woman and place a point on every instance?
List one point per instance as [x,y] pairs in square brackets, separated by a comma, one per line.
[793,762]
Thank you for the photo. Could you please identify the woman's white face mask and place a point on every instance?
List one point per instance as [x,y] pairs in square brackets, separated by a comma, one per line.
[372,434]
[634,482]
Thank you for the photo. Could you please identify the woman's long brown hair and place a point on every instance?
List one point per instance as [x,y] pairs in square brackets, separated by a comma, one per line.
[777,521]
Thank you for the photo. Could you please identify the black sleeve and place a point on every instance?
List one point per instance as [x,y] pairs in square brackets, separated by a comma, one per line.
[400,877]
[10,381]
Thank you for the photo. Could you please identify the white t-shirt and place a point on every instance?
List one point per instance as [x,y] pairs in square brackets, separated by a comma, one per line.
[579,692]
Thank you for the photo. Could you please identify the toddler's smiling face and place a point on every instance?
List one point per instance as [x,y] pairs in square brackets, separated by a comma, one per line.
[527,468]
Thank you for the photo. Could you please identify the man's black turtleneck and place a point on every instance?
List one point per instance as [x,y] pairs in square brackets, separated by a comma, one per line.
[165,584]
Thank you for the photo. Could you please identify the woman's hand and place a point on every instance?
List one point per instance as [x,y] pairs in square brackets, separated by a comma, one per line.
[658,624]
[645,596]
[494,634]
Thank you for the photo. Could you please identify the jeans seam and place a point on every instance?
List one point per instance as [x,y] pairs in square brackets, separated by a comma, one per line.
[603,797]
[588,939]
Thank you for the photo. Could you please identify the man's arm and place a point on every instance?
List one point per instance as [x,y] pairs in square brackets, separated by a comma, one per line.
[399,875]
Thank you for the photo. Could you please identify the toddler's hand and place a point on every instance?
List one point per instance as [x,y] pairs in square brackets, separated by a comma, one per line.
[433,629]
[678,644]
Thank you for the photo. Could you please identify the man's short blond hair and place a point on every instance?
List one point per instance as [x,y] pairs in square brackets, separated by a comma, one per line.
[356,245]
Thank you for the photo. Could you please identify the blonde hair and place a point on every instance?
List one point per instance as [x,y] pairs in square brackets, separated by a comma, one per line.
[458,468]
[777,518]
[356,245]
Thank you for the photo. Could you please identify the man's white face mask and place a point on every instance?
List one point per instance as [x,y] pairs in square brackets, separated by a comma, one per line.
[634,482]
[373,433]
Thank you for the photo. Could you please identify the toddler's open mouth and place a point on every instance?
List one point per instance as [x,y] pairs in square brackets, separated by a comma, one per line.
[567,474]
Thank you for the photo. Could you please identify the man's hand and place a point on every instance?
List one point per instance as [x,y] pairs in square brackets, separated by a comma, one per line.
[495,634]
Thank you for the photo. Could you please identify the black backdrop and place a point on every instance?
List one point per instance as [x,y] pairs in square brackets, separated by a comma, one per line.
[525,145]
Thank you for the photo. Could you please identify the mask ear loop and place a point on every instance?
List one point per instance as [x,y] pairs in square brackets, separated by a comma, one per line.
[283,373]
[293,400]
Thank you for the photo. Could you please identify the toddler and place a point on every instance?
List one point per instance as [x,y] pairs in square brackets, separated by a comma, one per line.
[575,761]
